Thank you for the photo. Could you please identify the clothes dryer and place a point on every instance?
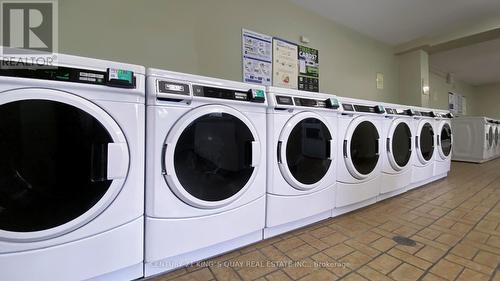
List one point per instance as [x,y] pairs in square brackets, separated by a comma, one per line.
[205,169]
[359,164]
[301,154]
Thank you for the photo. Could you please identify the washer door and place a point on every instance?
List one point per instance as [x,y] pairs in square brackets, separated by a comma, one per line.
[445,140]
[497,136]
[490,136]
[398,144]
[63,161]
[424,142]
[305,150]
[210,156]
[361,148]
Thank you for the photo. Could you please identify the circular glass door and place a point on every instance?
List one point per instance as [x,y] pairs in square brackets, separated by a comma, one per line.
[400,146]
[445,139]
[364,148]
[305,150]
[213,151]
[497,136]
[490,136]
[54,165]
[426,141]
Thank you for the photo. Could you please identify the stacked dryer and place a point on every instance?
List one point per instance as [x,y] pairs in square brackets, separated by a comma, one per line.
[205,170]
[474,139]
[360,142]
[398,133]
[301,153]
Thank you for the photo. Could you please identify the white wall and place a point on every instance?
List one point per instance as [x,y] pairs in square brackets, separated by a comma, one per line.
[204,37]
[439,90]
[488,100]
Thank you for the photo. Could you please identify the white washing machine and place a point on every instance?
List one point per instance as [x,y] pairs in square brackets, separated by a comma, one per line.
[72,171]
[473,139]
[425,147]
[398,132]
[205,168]
[301,154]
[359,164]
[444,143]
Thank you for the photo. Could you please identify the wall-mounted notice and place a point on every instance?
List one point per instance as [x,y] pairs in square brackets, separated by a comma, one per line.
[308,69]
[285,64]
[257,57]
[457,104]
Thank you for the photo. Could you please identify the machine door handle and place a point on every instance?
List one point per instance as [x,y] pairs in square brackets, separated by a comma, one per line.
[280,143]
[255,153]
[345,149]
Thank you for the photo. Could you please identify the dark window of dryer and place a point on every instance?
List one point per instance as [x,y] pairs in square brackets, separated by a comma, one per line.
[496,136]
[445,139]
[53,164]
[427,141]
[308,151]
[401,144]
[213,155]
[364,147]
[490,137]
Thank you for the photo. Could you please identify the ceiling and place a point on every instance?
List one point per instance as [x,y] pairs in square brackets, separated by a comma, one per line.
[399,21]
[476,64]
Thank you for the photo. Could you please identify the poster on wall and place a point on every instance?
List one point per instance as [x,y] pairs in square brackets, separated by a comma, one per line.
[257,55]
[457,104]
[285,64]
[308,79]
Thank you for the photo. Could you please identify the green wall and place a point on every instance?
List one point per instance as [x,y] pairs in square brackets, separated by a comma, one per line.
[204,37]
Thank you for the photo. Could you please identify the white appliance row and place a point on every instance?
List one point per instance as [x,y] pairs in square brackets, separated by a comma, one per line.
[112,172]
[476,139]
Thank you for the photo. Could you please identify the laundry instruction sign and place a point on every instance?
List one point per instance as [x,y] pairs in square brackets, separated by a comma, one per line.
[257,57]
[308,69]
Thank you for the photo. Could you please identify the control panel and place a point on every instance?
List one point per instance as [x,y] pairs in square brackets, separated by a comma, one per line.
[112,77]
[378,109]
[307,102]
[398,111]
[180,90]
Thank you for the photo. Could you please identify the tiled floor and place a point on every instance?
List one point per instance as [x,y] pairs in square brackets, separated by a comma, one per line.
[455,223]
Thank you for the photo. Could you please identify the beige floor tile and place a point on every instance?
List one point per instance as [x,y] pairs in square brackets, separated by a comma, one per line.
[278,276]
[338,251]
[319,275]
[488,259]
[413,260]
[464,250]
[288,244]
[469,275]
[301,252]
[430,254]
[446,269]
[406,272]
[355,259]
[383,244]
[384,263]
[334,238]
[372,275]
[354,277]
[431,277]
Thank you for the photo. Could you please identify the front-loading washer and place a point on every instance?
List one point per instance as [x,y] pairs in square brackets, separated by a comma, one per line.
[473,139]
[301,154]
[425,147]
[72,170]
[444,143]
[205,168]
[359,163]
[397,157]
